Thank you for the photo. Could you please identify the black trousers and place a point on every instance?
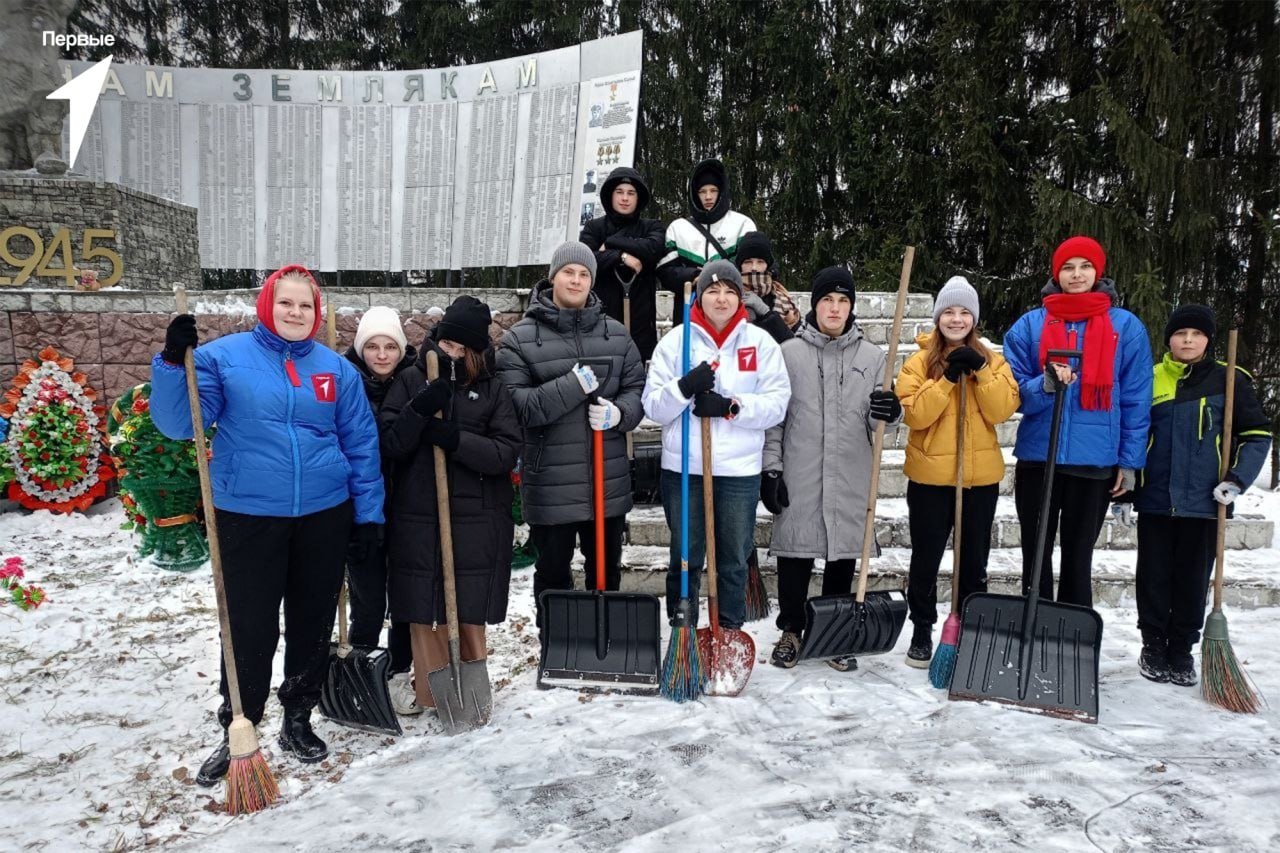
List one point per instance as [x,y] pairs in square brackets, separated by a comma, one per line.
[556,543]
[794,574]
[931,516]
[1077,509]
[367,589]
[1175,564]
[267,560]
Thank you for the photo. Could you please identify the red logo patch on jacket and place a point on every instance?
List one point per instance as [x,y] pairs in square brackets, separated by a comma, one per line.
[747,358]
[326,387]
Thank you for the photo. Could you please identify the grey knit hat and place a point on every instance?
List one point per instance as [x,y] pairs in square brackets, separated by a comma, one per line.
[956,293]
[572,252]
[719,272]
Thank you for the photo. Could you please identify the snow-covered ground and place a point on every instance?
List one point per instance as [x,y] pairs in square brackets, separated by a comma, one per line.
[109,692]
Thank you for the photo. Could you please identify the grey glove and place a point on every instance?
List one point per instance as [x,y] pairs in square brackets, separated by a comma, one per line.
[1128,479]
[756,307]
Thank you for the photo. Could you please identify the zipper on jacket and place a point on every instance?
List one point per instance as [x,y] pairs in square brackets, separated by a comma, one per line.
[291,373]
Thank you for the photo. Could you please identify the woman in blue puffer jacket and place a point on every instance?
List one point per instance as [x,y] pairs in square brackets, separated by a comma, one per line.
[1105,414]
[296,476]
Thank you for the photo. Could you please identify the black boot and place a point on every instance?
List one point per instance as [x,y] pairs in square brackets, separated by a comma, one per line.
[297,737]
[921,650]
[215,766]
[1153,663]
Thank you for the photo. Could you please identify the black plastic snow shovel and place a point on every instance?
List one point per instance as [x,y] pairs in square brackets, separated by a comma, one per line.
[593,639]
[1039,655]
[355,692]
[866,623]
[464,699]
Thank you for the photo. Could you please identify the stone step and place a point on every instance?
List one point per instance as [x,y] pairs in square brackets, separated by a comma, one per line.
[644,570]
[646,526]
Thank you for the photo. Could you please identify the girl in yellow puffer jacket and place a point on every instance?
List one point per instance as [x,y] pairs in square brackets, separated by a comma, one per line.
[929,389]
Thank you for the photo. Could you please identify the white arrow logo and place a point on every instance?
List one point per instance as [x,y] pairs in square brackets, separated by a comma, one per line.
[82,95]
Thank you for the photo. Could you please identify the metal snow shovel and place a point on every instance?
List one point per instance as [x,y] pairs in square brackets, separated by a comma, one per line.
[356,692]
[1041,655]
[864,623]
[594,639]
[461,689]
[729,654]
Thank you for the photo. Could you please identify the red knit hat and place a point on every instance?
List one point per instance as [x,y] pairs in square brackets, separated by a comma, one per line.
[267,297]
[1079,247]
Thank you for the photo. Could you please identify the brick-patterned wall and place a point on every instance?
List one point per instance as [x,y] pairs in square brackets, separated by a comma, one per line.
[112,335]
[156,238]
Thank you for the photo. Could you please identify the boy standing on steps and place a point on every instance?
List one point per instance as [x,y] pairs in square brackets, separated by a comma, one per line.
[1179,491]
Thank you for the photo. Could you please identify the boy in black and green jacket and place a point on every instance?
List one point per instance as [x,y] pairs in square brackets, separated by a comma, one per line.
[1179,491]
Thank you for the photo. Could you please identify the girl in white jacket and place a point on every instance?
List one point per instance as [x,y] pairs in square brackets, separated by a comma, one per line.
[740,383]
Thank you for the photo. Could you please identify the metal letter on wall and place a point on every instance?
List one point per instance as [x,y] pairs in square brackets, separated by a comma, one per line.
[495,166]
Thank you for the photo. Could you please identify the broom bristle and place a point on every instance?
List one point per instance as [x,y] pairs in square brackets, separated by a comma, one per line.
[683,673]
[942,666]
[250,785]
[1222,679]
[757,595]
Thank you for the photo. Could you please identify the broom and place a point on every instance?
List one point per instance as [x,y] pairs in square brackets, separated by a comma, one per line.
[757,595]
[1222,679]
[683,675]
[944,659]
[250,785]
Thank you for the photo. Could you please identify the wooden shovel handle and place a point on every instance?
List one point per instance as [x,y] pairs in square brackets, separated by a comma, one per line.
[210,515]
[709,527]
[955,527]
[446,525]
[331,338]
[869,531]
[1224,466]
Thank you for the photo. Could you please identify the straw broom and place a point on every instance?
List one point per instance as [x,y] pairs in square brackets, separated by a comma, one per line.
[250,785]
[943,664]
[1222,679]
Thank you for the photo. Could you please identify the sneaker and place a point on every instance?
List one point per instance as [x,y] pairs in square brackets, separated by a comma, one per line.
[786,651]
[921,650]
[403,697]
[1182,669]
[1153,663]
[843,663]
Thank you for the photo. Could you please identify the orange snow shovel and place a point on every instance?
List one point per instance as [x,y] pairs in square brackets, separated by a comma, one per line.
[729,654]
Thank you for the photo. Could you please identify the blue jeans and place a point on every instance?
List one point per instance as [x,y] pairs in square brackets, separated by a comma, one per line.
[735,502]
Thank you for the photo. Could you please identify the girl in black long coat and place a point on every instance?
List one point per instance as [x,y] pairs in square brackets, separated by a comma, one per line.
[481,436]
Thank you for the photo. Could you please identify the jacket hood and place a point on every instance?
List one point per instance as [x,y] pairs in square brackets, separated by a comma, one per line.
[617,176]
[810,334]
[1102,285]
[544,310]
[709,172]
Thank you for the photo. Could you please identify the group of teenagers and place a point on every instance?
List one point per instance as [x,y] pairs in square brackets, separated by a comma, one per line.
[323,463]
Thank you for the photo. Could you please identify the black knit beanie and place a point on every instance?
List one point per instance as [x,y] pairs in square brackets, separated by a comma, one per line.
[754,244]
[832,280]
[1191,317]
[466,322]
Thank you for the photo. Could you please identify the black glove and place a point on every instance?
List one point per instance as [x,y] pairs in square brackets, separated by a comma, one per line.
[885,406]
[773,492]
[963,360]
[432,398]
[709,404]
[178,338]
[701,378]
[443,434]
[364,539]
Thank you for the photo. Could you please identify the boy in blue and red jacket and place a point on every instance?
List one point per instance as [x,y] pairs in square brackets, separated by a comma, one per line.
[1180,489]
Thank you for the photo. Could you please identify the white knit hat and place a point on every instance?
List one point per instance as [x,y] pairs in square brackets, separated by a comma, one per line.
[380,320]
[956,293]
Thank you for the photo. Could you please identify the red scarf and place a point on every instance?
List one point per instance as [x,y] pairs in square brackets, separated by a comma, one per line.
[1098,364]
[696,316]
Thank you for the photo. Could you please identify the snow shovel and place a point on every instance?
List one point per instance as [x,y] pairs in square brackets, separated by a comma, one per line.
[1041,655]
[729,654]
[355,691]
[595,639]
[464,699]
[864,623]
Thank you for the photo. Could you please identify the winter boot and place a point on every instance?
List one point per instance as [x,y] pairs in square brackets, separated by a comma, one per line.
[215,766]
[297,737]
[786,651]
[843,663]
[920,651]
[1153,663]
[1182,667]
